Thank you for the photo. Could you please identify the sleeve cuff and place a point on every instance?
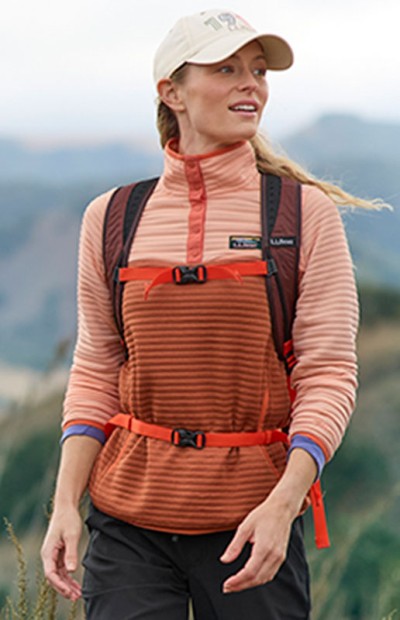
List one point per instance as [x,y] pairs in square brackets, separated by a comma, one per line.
[84,429]
[313,449]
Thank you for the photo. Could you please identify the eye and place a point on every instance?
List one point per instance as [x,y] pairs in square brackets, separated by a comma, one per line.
[225,69]
[260,72]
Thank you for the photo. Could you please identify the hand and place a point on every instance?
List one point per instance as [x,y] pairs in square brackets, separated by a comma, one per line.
[60,552]
[267,528]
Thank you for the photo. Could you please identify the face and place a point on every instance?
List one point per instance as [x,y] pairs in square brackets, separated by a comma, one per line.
[220,104]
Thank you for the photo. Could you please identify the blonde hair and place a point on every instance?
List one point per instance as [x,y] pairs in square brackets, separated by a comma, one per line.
[268,160]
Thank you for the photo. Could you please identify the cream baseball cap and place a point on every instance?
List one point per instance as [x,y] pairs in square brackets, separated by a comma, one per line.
[211,36]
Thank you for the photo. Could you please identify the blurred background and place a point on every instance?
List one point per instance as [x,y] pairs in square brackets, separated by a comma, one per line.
[77,118]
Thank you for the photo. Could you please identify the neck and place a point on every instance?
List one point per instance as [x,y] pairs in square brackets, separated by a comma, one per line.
[174,145]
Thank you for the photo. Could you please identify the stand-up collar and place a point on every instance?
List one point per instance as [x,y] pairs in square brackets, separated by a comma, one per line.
[233,168]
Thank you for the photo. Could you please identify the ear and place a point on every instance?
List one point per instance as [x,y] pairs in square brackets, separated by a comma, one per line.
[169,94]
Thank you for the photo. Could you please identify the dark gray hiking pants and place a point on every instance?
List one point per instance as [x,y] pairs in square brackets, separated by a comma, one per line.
[138,574]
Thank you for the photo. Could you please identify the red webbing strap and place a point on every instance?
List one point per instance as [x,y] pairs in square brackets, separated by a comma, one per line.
[212,440]
[120,420]
[290,362]
[229,440]
[214,272]
[316,496]
[320,524]
[166,275]
[238,440]
[126,274]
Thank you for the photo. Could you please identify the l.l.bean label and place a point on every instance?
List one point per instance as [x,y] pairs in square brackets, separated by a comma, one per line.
[244,243]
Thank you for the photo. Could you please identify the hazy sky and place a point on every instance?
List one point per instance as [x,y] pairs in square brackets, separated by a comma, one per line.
[83,68]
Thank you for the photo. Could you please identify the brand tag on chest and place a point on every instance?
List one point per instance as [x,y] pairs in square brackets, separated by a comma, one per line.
[283,242]
[244,243]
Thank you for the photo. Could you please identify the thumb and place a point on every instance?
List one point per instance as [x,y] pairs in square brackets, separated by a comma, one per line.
[71,553]
[236,545]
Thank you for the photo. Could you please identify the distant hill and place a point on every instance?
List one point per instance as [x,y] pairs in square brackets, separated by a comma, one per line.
[364,158]
[336,136]
[72,164]
[43,193]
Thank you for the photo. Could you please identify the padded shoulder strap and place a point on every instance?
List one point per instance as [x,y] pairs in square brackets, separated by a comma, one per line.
[281,238]
[120,224]
[113,230]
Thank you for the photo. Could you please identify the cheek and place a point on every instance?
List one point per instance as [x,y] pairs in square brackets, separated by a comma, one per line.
[264,96]
[212,106]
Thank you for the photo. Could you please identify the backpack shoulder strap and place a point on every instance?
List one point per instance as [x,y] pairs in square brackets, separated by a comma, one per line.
[121,220]
[281,237]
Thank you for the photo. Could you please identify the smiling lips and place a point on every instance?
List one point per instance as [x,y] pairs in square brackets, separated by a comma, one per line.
[244,106]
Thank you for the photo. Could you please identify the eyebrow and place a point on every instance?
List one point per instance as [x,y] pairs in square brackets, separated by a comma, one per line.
[259,57]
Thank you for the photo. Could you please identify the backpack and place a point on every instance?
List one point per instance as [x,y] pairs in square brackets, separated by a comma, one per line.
[280,250]
[280,244]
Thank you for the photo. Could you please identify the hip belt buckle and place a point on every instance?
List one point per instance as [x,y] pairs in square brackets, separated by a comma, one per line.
[183,438]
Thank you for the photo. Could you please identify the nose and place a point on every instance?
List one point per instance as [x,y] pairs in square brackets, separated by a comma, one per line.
[248,81]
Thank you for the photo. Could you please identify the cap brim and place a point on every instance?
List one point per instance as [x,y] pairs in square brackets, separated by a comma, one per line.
[278,53]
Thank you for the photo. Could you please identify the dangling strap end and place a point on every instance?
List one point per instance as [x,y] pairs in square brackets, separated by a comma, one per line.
[119,420]
[237,276]
[320,524]
[147,290]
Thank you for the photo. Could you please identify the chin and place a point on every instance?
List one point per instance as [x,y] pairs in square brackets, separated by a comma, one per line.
[246,135]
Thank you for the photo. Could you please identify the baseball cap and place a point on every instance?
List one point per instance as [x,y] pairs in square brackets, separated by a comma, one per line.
[212,36]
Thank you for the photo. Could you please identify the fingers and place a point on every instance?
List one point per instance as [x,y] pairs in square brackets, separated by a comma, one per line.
[235,547]
[60,558]
[64,584]
[71,552]
[269,536]
[260,568]
[58,577]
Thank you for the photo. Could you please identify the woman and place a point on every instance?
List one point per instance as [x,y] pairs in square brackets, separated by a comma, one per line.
[221,525]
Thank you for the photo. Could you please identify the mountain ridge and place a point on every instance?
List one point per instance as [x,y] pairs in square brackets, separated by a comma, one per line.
[40,219]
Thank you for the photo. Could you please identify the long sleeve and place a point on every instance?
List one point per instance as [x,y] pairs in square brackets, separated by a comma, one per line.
[325,327]
[92,392]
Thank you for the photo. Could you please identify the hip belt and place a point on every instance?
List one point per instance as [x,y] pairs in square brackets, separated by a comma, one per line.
[184,438]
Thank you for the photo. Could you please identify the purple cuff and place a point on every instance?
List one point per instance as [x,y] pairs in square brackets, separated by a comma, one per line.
[84,429]
[313,449]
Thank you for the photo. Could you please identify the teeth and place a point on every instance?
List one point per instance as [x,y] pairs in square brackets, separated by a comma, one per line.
[245,108]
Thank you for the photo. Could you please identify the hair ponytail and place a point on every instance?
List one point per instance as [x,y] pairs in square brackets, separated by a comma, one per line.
[267,159]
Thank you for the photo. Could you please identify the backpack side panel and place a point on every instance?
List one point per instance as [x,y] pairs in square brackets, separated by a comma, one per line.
[120,223]
[281,224]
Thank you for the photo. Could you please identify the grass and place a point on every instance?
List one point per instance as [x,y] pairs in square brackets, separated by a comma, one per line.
[44,605]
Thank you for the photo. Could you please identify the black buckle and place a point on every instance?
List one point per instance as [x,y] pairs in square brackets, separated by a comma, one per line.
[182,274]
[183,438]
[272,269]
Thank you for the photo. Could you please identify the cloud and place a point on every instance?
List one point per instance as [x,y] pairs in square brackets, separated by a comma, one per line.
[85,65]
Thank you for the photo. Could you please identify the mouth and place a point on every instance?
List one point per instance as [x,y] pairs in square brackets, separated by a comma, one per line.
[247,108]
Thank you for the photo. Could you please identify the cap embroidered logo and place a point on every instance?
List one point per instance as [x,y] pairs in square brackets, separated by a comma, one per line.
[230,20]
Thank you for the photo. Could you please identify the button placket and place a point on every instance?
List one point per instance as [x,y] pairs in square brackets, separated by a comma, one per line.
[198,205]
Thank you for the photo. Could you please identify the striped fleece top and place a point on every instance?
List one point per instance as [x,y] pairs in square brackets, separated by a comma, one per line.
[203,356]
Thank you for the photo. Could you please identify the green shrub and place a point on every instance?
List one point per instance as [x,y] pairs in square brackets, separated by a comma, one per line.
[25,480]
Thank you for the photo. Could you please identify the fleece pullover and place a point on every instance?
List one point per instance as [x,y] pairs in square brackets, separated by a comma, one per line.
[203,356]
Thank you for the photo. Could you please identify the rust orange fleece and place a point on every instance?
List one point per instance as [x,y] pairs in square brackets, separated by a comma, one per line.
[203,355]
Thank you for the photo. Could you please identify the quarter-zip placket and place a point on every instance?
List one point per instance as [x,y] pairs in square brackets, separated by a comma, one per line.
[197,215]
